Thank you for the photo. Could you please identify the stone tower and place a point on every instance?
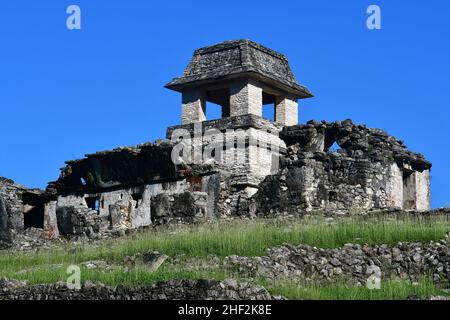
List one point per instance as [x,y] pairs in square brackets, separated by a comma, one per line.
[241,76]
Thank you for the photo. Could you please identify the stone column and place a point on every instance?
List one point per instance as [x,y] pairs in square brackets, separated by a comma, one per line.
[422,190]
[193,107]
[394,187]
[245,98]
[286,111]
[50,220]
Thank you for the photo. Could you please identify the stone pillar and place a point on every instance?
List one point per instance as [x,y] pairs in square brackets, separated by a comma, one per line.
[286,111]
[193,107]
[422,190]
[394,187]
[245,98]
[50,220]
[416,191]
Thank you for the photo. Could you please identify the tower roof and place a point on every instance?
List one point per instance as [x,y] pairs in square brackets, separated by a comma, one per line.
[236,59]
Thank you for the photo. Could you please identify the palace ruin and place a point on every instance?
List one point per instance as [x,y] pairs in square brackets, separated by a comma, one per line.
[132,187]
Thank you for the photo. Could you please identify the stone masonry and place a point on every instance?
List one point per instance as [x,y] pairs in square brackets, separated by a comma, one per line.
[245,98]
[241,164]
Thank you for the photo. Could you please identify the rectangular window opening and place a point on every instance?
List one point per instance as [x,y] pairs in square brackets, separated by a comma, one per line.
[137,197]
[268,108]
[93,203]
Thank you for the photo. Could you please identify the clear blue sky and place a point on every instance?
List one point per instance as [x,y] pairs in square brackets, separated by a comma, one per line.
[66,93]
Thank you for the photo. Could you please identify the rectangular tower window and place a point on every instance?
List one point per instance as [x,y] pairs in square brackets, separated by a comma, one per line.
[268,108]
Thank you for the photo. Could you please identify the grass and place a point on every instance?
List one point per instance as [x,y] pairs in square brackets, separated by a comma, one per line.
[250,238]
[389,290]
[245,238]
[132,277]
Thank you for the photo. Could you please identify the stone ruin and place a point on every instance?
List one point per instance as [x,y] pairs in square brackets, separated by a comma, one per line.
[284,167]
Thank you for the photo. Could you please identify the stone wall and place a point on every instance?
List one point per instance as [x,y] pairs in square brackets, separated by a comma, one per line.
[282,170]
[20,208]
[246,98]
[193,107]
[249,142]
[192,198]
[286,111]
[369,171]
[351,263]
[11,207]
[120,167]
[165,290]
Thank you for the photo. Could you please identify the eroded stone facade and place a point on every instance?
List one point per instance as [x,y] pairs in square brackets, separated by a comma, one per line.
[370,170]
[241,164]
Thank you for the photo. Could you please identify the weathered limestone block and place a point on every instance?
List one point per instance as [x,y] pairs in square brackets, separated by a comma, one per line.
[115,216]
[395,187]
[193,107]
[11,207]
[120,215]
[160,206]
[64,218]
[350,263]
[189,204]
[246,98]
[416,190]
[78,221]
[71,200]
[141,210]
[286,111]
[423,190]
[50,220]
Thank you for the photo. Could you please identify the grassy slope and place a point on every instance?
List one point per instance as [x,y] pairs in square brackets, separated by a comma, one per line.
[240,238]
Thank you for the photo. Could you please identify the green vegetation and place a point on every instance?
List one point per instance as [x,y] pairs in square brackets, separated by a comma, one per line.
[245,238]
[389,290]
[134,277]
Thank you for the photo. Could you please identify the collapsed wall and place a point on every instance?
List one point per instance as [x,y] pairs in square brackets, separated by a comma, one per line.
[243,151]
[256,166]
[368,169]
[322,166]
[129,188]
[20,208]
[139,186]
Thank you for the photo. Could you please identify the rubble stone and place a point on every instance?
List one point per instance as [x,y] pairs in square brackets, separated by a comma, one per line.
[164,290]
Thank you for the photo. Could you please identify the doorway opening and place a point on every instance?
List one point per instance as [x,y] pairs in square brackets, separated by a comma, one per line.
[409,190]
[33,216]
